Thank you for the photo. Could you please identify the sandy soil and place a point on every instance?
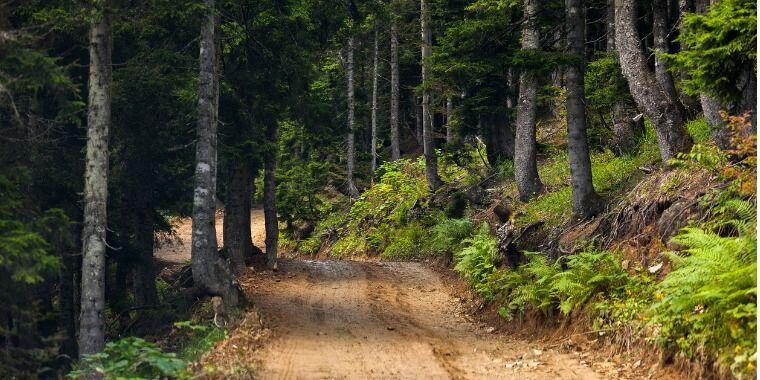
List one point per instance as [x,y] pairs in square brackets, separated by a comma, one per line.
[176,249]
[357,320]
[390,320]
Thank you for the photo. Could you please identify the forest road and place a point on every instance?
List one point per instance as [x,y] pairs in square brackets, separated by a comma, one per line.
[384,320]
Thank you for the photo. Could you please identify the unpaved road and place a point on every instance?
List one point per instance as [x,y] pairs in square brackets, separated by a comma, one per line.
[367,320]
[388,320]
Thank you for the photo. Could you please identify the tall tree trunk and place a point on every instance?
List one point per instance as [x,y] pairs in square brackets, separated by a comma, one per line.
[67,301]
[373,148]
[526,169]
[585,200]
[650,96]
[144,273]
[660,31]
[395,149]
[237,215]
[449,128]
[211,273]
[428,144]
[271,227]
[350,140]
[623,126]
[418,121]
[92,324]
[711,106]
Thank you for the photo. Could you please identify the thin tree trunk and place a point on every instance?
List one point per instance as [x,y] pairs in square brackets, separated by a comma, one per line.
[395,149]
[271,227]
[67,301]
[585,200]
[92,324]
[353,192]
[660,31]
[418,121]
[211,273]
[428,144]
[526,169]
[657,105]
[144,273]
[449,128]
[237,215]
[373,148]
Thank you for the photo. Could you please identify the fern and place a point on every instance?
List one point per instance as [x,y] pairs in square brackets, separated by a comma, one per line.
[478,259]
[450,234]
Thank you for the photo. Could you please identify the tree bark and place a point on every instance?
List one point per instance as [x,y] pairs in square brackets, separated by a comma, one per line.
[623,126]
[418,121]
[526,169]
[373,148]
[395,149]
[353,192]
[144,273]
[237,215]
[92,324]
[660,31]
[650,96]
[271,227]
[449,128]
[211,273]
[585,199]
[428,144]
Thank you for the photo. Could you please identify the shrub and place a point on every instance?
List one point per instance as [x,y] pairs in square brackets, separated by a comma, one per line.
[406,241]
[131,357]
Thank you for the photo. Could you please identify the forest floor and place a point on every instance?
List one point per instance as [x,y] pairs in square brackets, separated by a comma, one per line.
[360,319]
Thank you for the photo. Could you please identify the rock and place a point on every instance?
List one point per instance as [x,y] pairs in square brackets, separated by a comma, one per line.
[490,329]
[537,352]
[655,268]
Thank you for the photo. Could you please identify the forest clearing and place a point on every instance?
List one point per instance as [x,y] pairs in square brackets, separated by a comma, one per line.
[386,189]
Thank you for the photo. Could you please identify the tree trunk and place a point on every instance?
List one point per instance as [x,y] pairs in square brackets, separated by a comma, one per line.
[353,192]
[144,273]
[526,170]
[92,324]
[585,200]
[623,125]
[711,108]
[373,148]
[418,121]
[237,215]
[660,31]
[271,227]
[428,144]
[67,291]
[449,128]
[657,105]
[211,273]
[395,149]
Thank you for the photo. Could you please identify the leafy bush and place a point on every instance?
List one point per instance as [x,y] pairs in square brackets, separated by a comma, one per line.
[406,241]
[131,358]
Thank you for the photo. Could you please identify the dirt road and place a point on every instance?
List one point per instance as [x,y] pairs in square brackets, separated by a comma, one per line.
[389,320]
[359,320]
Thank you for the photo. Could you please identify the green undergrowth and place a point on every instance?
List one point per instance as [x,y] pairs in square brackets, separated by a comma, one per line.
[703,310]
[137,358]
